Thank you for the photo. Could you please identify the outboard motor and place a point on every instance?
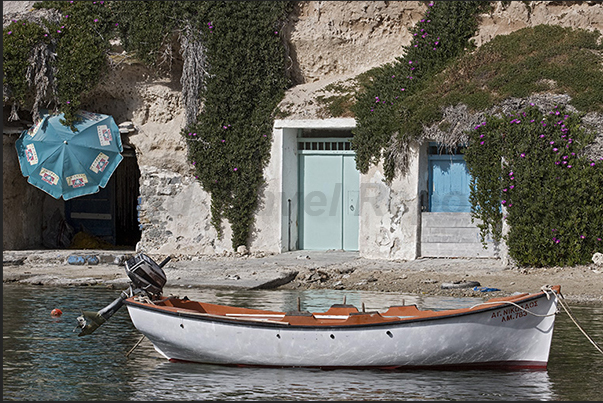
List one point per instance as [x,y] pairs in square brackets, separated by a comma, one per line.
[147,278]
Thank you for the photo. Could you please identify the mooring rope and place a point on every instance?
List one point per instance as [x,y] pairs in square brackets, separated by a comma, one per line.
[573,318]
[135,345]
[546,289]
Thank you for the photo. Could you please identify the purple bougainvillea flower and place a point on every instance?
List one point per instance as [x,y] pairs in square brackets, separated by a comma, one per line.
[504,202]
[235,169]
[552,142]
[96,20]
[481,143]
[522,155]
[582,237]
[511,187]
[555,149]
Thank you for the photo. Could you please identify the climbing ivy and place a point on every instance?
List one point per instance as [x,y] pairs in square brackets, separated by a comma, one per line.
[82,43]
[230,142]
[530,170]
[18,40]
[244,78]
[380,109]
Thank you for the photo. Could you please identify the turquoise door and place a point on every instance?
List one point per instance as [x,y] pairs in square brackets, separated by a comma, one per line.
[329,199]
[449,184]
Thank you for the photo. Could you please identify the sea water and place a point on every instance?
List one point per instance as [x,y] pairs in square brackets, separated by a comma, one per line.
[44,359]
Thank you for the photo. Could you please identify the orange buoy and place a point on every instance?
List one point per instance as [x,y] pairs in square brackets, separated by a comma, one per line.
[56,312]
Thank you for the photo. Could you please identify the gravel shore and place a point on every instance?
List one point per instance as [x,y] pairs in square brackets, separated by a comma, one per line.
[459,277]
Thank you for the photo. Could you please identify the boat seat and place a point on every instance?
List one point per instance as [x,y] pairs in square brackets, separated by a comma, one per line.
[341,309]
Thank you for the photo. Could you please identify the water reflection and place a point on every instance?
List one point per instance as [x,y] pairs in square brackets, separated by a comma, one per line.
[43,359]
[209,382]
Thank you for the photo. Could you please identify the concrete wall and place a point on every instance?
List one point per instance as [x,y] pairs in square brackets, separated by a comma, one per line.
[390,215]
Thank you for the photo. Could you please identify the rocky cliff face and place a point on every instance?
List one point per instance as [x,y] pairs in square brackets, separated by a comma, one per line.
[329,42]
[333,41]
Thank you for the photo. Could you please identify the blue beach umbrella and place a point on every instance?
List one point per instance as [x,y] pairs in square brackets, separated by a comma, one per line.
[70,164]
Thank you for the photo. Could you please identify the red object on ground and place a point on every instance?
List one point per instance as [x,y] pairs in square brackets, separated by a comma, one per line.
[56,312]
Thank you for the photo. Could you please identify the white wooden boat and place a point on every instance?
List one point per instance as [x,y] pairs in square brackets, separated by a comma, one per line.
[510,332]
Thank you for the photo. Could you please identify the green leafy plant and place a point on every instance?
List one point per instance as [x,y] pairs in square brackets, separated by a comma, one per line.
[230,142]
[530,170]
[18,39]
[381,110]
[69,55]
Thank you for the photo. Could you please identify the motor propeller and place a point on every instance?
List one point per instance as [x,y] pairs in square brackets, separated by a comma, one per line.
[147,278]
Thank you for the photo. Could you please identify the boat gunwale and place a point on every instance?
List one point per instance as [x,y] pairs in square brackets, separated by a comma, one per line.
[254,322]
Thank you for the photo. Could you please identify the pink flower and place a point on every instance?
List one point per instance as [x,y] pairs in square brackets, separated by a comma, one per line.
[235,169]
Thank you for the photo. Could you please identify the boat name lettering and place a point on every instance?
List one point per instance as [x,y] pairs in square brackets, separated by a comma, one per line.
[513,312]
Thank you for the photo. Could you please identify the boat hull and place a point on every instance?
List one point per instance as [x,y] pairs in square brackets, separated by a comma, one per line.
[512,336]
